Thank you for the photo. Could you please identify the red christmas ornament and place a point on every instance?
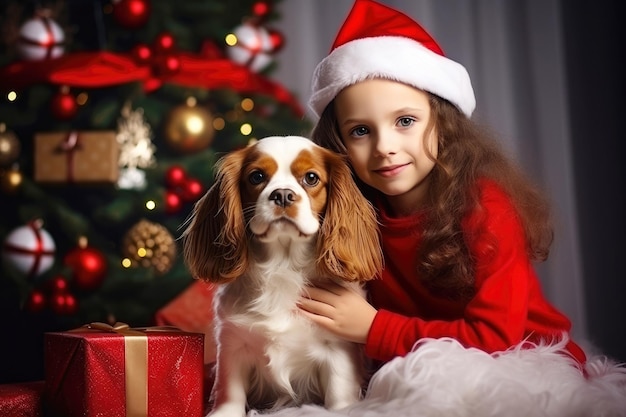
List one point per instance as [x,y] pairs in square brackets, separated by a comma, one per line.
[35,302]
[88,264]
[175,176]
[192,190]
[64,303]
[131,14]
[260,9]
[63,105]
[276,39]
[173,202]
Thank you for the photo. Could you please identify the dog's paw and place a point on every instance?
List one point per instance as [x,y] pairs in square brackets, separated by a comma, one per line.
[228,410]
[337,402]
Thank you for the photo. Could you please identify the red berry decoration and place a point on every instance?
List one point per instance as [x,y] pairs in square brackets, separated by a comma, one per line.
[164,43]
[173,202]
[192,190]
[260,9]
[175,176]
[142,53]
[166,65]
[181,189]
[88,264]
[131,14]
[58,284]
[36,301]
[64,303]
[63,105]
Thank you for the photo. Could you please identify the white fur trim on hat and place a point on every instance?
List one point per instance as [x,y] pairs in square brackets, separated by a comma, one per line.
[395,58]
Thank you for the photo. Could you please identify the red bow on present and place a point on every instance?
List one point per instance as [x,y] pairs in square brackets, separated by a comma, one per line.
[104,69]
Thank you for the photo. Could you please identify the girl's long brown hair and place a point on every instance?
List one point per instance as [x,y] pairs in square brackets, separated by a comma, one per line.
[467,153]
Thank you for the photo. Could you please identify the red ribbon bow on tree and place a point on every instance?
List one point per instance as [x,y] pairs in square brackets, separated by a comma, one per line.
[104,69]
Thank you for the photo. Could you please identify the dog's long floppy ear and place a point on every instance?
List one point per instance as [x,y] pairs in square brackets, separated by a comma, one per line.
[214,242]
[349,242]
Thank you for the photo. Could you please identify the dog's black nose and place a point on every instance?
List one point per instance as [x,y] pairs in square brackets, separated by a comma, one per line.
[283,197]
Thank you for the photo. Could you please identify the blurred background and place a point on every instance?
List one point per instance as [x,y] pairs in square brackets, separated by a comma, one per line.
[112,114]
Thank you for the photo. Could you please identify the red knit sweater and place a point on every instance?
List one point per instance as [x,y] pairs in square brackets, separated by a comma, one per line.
[508,306]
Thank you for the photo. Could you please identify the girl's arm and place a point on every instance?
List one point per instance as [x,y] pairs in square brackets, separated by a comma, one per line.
[497,317]
[507,307]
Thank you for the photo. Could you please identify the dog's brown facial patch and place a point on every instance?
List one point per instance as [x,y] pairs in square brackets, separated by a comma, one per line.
[307,166]
[258,169]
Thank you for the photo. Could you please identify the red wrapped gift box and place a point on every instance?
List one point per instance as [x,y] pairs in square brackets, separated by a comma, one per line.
[192,311]
[102,370]
[24,399]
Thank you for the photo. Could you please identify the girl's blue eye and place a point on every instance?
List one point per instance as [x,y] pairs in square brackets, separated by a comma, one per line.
[406,121]
[359,131]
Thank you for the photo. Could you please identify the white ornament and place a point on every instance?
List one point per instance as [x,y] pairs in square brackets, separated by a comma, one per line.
[136,148]
[253,48]
[40,38]
[30,249]
[132,179]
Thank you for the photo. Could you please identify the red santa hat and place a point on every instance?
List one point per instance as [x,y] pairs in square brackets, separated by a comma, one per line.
[377,41]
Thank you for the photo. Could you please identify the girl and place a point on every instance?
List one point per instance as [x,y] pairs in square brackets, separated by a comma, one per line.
[460,224]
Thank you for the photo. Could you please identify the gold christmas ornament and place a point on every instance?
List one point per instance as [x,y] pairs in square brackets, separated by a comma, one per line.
[150,245]
[10,180]
[189,128]
[9,146]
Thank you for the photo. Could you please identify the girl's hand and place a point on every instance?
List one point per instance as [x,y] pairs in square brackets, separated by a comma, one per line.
[339,310]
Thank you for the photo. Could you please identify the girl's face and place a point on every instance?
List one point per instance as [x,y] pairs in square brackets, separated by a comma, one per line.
[382,124]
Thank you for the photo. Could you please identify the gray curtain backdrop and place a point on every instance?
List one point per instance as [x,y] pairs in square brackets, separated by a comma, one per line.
[514,53]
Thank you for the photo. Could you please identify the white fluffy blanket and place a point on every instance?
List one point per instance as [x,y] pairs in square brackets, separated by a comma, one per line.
[441,378]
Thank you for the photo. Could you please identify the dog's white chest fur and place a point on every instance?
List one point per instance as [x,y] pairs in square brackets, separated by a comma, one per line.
[289,360]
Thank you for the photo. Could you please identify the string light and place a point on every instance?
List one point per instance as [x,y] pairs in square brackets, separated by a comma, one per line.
[219,123]
[245,129]
[247,104]
[231,39]
[150,205]
[82,98]
[12,96]
[194,124]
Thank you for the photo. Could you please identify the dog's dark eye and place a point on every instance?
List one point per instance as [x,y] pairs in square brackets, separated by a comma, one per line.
[311,178]
[256,177]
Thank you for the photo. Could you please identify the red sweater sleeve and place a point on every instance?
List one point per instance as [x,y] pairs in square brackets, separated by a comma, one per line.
[508,305]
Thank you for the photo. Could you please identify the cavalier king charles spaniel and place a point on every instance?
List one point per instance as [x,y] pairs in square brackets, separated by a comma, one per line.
[282,214]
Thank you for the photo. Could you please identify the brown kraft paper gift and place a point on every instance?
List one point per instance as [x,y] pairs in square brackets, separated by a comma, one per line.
[76,157]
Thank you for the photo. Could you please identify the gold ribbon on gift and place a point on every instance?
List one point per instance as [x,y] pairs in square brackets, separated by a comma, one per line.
[135,363]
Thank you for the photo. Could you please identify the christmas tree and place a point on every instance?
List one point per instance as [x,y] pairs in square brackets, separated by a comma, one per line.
[112,115]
